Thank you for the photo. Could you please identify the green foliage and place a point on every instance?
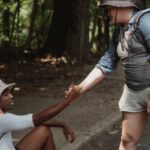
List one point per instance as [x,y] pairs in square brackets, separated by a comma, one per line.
[19,23]
[147,4]
[97,27]
[15,21]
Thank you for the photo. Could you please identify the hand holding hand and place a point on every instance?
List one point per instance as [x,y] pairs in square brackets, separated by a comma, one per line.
[73,92]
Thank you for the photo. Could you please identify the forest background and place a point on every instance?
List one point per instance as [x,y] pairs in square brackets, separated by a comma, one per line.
[52,33]
[75,30]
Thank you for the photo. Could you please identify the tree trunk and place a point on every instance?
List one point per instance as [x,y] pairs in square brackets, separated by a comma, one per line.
[69,29]
[32,21]
[77,43]
[6,20]
[55,41]
[6,24]
[13,22]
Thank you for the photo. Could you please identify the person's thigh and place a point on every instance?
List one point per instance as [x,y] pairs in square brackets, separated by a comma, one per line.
[133,125]
[36,139]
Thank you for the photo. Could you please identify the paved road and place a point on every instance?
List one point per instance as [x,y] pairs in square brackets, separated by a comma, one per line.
[109,140]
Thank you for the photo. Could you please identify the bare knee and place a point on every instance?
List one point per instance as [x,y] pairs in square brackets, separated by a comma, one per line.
[37,138]
[44,130]
[128,140]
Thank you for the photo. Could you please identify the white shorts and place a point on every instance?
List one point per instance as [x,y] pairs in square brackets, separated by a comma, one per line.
[134,101]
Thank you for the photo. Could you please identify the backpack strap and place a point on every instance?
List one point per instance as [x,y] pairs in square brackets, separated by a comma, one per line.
[137,19]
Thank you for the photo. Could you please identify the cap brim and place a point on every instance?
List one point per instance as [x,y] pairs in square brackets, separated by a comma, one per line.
[10,86]
[7,86]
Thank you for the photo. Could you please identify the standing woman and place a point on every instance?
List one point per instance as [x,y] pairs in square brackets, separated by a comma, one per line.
[130,44]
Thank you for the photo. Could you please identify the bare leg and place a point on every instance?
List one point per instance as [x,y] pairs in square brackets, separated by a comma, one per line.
[40,138]
[133,125]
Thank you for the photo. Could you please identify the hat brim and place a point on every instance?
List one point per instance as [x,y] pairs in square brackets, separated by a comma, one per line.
[7,86]
[118,4]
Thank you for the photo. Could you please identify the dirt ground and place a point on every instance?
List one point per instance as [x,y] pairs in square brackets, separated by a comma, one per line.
[40,74]
[41,83]
[32,76]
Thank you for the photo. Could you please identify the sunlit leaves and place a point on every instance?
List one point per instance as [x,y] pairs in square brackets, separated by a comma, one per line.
[19,22]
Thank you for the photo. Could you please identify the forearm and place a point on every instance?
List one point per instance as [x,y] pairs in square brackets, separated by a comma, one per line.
[94,77]
[50,112]
[68,132]
[54,123]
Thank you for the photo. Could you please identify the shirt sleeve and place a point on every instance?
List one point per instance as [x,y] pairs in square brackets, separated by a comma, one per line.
[12,122]
[108,62]
[145,29]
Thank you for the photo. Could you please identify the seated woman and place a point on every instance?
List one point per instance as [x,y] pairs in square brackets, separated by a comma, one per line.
[40,138]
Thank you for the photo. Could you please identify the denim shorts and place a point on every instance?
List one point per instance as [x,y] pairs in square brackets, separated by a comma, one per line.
[134,101]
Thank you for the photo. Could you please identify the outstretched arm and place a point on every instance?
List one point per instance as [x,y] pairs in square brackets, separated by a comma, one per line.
[94,77]
[68,132]
[51,111]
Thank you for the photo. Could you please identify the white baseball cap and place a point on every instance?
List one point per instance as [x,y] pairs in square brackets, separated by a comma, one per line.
[4,86]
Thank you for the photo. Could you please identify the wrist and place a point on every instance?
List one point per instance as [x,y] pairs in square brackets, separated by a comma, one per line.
[81,88]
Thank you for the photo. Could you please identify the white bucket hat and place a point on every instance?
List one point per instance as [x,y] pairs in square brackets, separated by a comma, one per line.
[4,86]
[121,3]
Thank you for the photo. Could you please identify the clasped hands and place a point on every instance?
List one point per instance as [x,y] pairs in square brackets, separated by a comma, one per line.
[73,92]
